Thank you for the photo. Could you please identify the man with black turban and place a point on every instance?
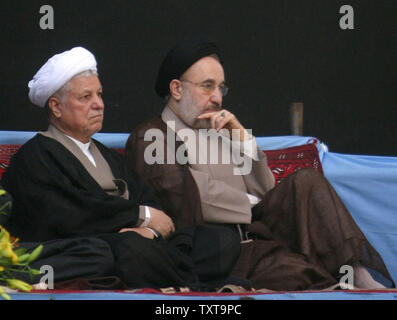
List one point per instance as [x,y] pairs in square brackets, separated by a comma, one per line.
[206,168]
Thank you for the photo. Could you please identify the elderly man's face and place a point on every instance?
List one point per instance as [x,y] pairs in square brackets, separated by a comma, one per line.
[195,99]
[81,111]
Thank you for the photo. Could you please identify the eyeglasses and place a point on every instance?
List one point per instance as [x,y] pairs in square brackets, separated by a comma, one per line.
[209,87]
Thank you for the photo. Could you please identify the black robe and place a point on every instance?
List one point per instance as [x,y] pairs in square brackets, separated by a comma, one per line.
[56,201]
[55,197]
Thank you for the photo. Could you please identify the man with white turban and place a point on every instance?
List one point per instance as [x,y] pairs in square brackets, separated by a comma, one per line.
[93,213]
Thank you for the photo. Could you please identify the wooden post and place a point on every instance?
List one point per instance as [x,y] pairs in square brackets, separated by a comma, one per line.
[296,118]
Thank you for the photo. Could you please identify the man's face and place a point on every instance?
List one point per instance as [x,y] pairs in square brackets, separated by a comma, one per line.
[81,111]
[195,99]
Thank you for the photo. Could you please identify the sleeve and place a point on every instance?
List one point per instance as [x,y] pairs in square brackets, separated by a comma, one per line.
[256,173]
[173,185]
[260,179]
[144,216]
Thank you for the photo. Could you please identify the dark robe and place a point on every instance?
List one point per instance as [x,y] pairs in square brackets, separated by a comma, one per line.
[55,197]
[56,201]
[301,232]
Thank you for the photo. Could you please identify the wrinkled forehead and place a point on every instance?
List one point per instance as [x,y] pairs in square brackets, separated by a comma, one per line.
[207,68]
[81,83]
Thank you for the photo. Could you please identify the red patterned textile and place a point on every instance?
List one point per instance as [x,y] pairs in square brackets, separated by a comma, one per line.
[6,152]
[283,162]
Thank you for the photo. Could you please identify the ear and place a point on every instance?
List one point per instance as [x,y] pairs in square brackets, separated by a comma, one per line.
[176,89]
[54,104]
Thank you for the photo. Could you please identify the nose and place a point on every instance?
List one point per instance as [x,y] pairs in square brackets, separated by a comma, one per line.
[216,96]
[98,102]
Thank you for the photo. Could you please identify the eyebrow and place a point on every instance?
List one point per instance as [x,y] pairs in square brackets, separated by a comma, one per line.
[213,81]
[89,91]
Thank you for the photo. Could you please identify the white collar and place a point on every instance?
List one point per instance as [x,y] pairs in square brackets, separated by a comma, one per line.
[82,146]
[85,147]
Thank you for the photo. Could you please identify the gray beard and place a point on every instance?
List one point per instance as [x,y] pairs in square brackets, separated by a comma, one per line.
[188,112]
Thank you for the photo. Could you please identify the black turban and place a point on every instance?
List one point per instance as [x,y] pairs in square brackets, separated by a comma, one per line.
[179,59]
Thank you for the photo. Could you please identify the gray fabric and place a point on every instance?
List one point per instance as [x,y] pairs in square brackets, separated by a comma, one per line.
[223,194]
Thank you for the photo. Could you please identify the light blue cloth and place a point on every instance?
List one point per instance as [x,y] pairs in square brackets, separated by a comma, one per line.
[366,184]
[368,187]
[15,137]
[112,140]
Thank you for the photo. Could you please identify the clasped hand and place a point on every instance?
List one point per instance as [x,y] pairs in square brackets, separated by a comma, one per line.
[159,221]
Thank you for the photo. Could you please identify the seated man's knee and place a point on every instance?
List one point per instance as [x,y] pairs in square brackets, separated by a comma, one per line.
[74,257]
[98,256]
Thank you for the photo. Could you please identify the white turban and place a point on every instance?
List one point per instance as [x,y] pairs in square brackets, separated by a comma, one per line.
[57,71]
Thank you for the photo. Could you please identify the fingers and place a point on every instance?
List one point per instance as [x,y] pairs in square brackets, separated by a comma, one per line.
[225,119]
[144,232]
[222,120]
[219,119]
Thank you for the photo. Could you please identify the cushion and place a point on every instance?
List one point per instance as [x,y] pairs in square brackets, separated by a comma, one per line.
[6,152]
[283,162]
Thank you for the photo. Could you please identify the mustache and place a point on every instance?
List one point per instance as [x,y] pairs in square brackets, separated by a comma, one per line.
[212,108]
